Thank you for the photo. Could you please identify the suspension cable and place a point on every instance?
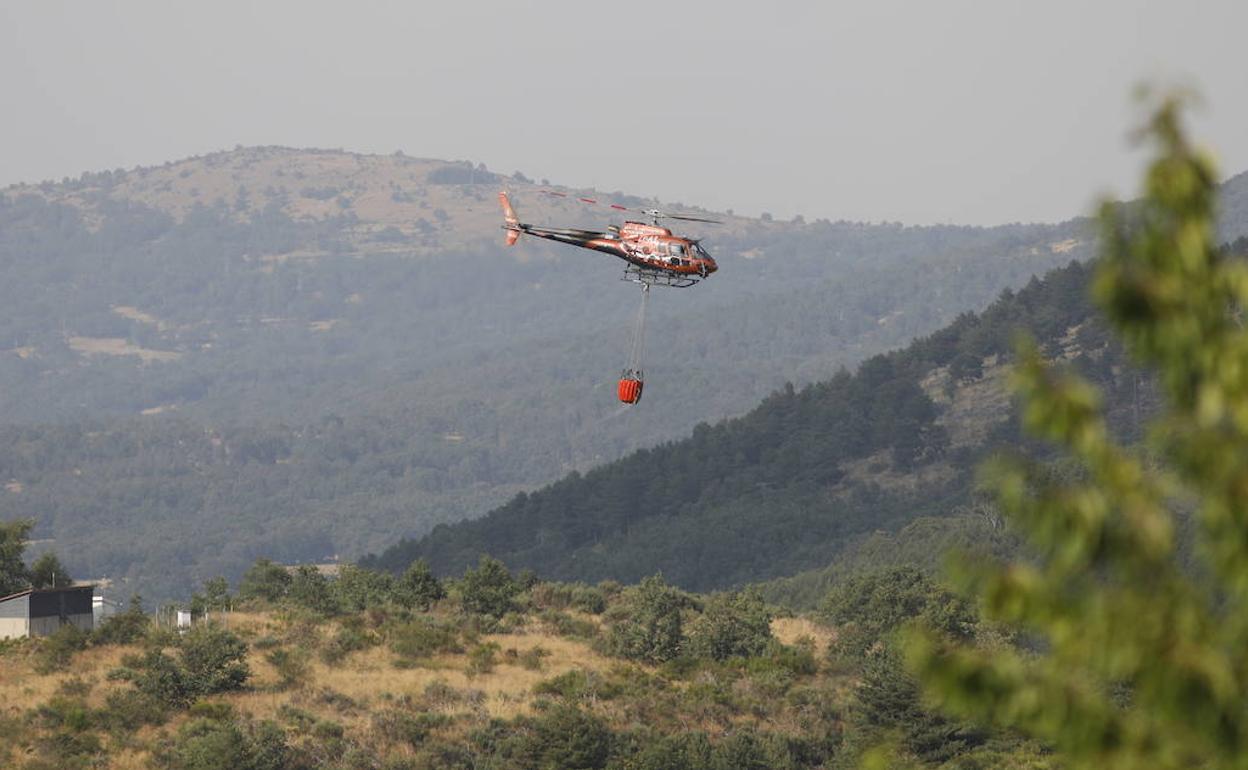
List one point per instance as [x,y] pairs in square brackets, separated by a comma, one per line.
[639,332]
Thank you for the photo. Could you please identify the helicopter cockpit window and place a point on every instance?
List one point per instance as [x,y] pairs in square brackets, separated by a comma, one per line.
[677,249]
[701,251]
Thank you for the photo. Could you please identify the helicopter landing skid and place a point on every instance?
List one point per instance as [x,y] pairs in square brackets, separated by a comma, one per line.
[651,277]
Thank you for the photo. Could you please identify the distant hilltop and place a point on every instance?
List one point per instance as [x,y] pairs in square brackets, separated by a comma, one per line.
[390,202]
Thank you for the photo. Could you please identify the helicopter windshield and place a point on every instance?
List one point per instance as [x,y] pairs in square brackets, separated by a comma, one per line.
[701,252]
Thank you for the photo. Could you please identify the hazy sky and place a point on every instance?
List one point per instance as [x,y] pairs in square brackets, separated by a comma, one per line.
[925,111]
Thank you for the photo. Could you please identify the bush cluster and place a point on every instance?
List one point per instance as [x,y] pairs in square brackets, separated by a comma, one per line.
[209,660]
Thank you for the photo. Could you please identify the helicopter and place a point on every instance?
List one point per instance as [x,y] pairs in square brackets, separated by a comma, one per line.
[654,255]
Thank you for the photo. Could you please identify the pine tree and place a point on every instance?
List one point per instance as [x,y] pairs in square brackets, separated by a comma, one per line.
[1142,659]
[48,572]
[13,574]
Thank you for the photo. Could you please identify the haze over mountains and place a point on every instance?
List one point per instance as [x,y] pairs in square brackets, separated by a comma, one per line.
[305,353]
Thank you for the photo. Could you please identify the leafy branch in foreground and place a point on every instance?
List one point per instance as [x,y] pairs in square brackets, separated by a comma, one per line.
[1141,657]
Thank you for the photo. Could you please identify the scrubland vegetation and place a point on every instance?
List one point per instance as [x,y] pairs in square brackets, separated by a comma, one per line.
[491,670]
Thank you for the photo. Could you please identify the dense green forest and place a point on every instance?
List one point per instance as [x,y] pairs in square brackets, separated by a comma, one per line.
[811,470]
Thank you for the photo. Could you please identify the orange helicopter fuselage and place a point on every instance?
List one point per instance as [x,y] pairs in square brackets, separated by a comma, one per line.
[646,246]
[656,248]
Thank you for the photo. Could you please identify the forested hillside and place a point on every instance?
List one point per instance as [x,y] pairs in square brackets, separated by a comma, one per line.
[1233,213]
[811,470]
[294,353]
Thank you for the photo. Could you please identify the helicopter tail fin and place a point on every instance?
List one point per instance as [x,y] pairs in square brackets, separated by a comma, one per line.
[511,221]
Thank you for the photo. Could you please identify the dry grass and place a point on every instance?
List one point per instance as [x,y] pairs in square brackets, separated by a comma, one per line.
[116,346]
[1061,247]
[878,469]
[789,630]
[134,314]
[129,759]
[22,688]
[977,406]
[370,675]
[250,622]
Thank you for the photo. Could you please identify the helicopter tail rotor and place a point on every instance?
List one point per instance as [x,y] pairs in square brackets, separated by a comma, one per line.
[511,222]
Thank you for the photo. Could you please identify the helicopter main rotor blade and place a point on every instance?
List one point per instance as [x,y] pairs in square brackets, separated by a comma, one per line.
[591,201]
[652,213]
[690,219]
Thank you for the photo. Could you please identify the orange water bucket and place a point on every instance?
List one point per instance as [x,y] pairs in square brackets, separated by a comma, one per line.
[630,390]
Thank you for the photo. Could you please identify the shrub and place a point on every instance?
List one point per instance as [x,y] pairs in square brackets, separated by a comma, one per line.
[731,625]
[339,702]
[65,713]
[440,694]
[330,739]
[127,710]
[211,710]
[210,660]
[561,596]
[358,589]
[572,685]
[567,737]
[422,638]
[157,677]
[691,751]
[531,659]
[346,641]
[566,625]
[401,727]
[291,666]
[302,721]
[264,580]
[214,660]
[589,599]
[66,749]
[211,744]
[57,649]
[489,589]
[797,660]
[123,628]
[418,588]
[648,625]
[867,608]
[481,659]
[311,590]
[75,687]
[750,751]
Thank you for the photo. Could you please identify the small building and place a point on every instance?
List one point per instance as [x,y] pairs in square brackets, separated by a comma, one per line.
[102,608]
[40,612]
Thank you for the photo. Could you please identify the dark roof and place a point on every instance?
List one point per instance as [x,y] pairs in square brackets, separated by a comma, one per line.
[29,591]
